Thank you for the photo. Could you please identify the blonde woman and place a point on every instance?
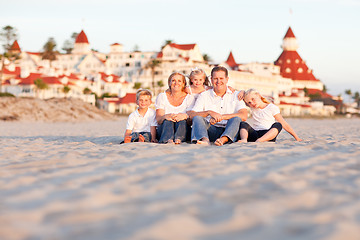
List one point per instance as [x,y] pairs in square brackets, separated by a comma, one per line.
[171,110]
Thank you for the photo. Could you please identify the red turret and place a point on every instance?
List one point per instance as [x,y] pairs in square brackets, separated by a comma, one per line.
[81,38]
[291,64]
[15,47]
[231,61]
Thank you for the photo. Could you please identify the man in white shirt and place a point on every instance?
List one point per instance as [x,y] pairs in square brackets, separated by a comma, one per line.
[217,113]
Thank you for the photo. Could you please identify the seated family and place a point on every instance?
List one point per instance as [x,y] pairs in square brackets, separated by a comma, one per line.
[203,114]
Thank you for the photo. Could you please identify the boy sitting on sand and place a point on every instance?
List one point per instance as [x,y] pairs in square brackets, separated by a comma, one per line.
[141,124]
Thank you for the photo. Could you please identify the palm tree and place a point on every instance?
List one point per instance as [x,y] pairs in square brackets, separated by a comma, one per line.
[324,88]
[348,92]
[66,90]
[69,43]
[86,91]
[40,85]
[206,58]
[137,85]
[49,50]
[356,97]
[8,35]
[153,64]
[166,42]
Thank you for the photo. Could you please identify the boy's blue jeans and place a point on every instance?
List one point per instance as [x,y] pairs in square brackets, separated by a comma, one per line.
[169,130]
[202,129]
[135,136]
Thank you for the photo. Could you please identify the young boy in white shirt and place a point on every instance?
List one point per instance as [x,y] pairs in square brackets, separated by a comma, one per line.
[141,124]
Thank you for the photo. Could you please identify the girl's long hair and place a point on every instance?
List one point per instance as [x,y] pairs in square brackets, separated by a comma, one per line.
[253,90]
[197,71]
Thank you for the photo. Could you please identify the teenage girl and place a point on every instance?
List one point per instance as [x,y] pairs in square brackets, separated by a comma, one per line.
[267,120]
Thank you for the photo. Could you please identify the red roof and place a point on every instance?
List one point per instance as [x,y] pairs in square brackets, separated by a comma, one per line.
[319,92]
[292,95]
[81,38]
[289,34]
[295,104]
[33,76]
[30,79]
[159,55]
[104,77]
[292,66]
[34,53]
[231,61]
[115,44]
[51,80]
[16,72]
[15,46]
[182,46]
[128,98]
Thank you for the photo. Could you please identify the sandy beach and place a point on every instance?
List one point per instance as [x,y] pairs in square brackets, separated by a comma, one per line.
[74,181]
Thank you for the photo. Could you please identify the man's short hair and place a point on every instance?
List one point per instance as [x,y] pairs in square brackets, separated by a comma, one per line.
[218,69]
[143,92]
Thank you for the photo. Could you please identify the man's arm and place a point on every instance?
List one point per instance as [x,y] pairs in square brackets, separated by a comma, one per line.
[242,113]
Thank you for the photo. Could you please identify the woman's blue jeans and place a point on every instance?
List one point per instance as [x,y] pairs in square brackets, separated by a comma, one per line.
[170,130]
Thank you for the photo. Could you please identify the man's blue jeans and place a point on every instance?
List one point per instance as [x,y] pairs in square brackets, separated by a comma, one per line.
[169,130]
[202,129]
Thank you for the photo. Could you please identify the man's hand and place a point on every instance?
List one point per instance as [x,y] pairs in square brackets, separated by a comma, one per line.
[216,116]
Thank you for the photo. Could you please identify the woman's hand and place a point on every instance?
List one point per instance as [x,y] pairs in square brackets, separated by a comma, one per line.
[170,117]
[180,116]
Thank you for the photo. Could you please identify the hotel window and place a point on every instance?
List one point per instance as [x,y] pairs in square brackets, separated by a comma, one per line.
[297,61]
[127,64]
[288,61]
[288,70]
[300,70]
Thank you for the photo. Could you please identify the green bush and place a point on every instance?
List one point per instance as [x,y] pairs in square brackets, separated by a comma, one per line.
[6,94]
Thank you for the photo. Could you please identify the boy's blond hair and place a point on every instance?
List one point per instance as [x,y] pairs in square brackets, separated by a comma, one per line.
[143,92]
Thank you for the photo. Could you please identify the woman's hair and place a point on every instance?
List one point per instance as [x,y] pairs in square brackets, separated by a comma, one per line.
[174,74]
[253,90]
[198,71]
[143,92]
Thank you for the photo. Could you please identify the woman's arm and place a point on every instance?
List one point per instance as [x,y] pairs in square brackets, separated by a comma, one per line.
[287,126]
[161,116]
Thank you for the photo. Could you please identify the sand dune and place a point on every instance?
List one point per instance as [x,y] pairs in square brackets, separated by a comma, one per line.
[74,181]
[50,110]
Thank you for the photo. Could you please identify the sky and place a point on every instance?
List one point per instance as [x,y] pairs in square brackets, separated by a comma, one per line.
[328,31]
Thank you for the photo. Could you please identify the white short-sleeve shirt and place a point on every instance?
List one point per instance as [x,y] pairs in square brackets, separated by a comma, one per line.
[162,102]
[228,104]
[138,123]
[262,119]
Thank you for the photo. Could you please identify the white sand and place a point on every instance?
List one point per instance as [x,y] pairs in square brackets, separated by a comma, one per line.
[73,181]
